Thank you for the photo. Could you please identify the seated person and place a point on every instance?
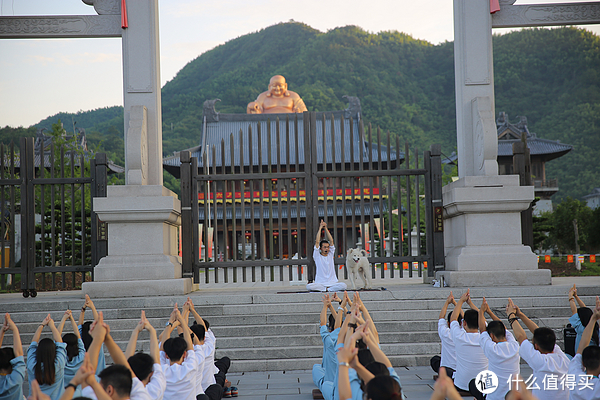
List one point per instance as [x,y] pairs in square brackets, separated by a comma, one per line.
[470,359]
[75,349]
[501,350]
[580,318]
[146,367]
[448,358]
[12,364]
[325,371]
[325,279]
[587,362]
[542,354]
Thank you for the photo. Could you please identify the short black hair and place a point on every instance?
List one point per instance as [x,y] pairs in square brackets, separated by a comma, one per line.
[471,317]
[384,388]
[496,328]
[331,324]
[377,369]
[119,377]
[590,358]
[206,323]
[365,357]
[322,242]
[199,331]
[6,355]
[458,319]
[545,338]
[85,335]
[141,364]
[72,345]
[175,348]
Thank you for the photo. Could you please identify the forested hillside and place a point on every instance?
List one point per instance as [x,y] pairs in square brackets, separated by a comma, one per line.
[405,85]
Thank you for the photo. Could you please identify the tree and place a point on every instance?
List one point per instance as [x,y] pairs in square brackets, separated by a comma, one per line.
[562,232]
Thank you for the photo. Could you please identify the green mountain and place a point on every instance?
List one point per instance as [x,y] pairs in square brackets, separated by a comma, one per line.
[405,85]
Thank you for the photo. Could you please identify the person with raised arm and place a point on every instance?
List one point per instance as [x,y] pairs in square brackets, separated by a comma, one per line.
[501,350]
[586,363]
[84,329]
[542,354]
[179,362]
[580,317]
[448,358]
[75,349]
[325,279]
[12,364]
[470,359]
[46,360]
[326,370]
[84,377]
[444,388]
[146,367]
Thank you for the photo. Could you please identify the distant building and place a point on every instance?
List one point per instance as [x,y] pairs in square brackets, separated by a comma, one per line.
[593,199]
[541,151]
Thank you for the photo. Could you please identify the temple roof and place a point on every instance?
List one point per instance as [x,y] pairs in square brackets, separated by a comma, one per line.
[222,128]
[509,133]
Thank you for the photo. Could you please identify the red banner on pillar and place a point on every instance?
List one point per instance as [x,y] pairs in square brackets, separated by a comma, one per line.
[592,258]
[570,258]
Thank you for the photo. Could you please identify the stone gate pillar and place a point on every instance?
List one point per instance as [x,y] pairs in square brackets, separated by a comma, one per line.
[143,216]
[482,232]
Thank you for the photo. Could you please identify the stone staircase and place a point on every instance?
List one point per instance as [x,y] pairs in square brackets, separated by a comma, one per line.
[267,330]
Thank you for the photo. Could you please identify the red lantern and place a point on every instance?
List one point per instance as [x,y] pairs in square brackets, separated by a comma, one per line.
[275,233]
[295,233]
[248,234]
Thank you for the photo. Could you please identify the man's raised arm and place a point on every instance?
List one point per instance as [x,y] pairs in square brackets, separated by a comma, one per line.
[481,320]
[459,303]
[318,237]
[529,323]
[448,301]
[511,311]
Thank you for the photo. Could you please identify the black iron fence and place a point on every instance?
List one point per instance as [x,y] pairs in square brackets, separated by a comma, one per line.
[50,237]
[252,205]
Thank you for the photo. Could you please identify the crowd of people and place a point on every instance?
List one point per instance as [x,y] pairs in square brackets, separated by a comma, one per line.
[73,365]
[473,349]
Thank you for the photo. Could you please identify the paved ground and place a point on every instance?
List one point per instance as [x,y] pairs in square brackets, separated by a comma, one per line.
[417,383]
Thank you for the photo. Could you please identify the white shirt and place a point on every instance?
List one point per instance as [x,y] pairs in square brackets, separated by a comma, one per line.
[200,351]
[576,368]
[325,267]
[470,359]
[181,378]
[208,375]
[138,392]
[503,360]
[544,366]
[448,350]
[158,383]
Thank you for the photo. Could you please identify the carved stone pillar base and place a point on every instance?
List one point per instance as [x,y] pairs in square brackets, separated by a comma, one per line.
[142,259]
[482,233]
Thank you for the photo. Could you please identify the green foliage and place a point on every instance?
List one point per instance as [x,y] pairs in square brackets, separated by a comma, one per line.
[562,230]
[405,85]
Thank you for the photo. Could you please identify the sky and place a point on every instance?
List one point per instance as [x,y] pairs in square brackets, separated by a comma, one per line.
[39,78]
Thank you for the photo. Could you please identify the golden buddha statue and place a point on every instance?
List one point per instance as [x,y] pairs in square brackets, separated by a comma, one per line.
[277,99]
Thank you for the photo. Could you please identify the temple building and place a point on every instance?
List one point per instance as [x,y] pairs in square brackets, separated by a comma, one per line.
[541,151]
[275,143]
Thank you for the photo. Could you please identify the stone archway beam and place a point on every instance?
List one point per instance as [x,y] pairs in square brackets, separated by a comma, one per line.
[513,16]
[57,27]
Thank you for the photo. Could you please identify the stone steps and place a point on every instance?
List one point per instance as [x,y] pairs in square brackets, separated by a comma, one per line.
[262,330]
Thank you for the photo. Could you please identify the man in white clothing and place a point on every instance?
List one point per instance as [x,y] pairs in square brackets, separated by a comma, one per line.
[448,358]
[544,357]
[470,359]
[502,352]
[325,279]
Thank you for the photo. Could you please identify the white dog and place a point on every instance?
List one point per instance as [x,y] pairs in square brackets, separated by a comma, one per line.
[357,263]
